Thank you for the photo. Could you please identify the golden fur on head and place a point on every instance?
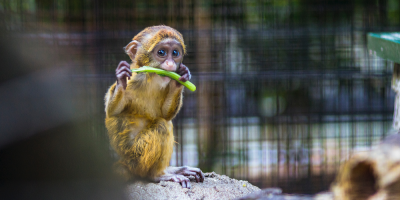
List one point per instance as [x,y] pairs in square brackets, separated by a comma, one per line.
[142,45]
[151,36]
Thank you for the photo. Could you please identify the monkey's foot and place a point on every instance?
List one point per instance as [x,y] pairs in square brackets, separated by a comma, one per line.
[185,182]
[187,171]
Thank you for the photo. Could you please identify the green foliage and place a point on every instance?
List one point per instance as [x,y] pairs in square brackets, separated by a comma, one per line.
[161,72]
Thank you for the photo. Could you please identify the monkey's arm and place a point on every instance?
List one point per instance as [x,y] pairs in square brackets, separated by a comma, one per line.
[115,97]
[173,101]
[115,100]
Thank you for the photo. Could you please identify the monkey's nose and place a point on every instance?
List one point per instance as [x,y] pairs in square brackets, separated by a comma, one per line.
[169,65]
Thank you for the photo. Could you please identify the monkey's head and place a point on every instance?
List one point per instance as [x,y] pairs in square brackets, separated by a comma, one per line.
[157,46]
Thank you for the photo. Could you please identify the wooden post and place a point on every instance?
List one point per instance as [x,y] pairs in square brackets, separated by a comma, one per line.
[396,88]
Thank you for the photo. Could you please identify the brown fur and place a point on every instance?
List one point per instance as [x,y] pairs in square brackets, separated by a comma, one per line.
[138,118]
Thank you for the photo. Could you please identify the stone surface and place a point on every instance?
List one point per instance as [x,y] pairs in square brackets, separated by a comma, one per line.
[215,186]
[275,194]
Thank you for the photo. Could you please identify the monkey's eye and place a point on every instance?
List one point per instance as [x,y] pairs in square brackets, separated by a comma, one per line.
[161,52]
[175,53]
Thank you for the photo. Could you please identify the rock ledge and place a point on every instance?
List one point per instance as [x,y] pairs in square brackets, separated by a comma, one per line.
[215,186]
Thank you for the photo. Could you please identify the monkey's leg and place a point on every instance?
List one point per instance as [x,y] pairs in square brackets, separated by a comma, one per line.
[147,155]
[185,182]
[187,171]
[156,144]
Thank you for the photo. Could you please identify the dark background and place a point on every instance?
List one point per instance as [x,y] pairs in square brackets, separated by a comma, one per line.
[286,89]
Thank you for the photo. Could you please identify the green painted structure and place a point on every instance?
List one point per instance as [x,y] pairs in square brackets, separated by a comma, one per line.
[386,45]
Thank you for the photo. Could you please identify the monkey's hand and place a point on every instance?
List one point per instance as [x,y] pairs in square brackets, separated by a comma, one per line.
[184,72]
[187,171]
[122,72]
[185,182]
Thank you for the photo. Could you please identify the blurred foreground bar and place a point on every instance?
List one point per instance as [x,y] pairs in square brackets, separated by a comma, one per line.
[47,150]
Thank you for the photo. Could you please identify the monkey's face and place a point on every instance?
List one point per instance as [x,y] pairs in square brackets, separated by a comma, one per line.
[169,54]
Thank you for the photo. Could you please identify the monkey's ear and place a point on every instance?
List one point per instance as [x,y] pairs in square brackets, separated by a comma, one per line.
[131,49]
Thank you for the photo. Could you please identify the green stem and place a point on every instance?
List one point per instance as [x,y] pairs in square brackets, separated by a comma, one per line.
[161,72]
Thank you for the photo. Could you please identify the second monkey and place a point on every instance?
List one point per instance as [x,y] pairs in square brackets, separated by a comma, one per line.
[140,107]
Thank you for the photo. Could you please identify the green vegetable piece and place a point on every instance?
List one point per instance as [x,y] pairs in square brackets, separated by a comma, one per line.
[161,72]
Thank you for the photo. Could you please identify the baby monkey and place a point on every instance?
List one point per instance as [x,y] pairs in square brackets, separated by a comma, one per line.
[140,106]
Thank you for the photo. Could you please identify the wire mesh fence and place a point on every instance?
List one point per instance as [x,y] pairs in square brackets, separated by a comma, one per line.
[286,89]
